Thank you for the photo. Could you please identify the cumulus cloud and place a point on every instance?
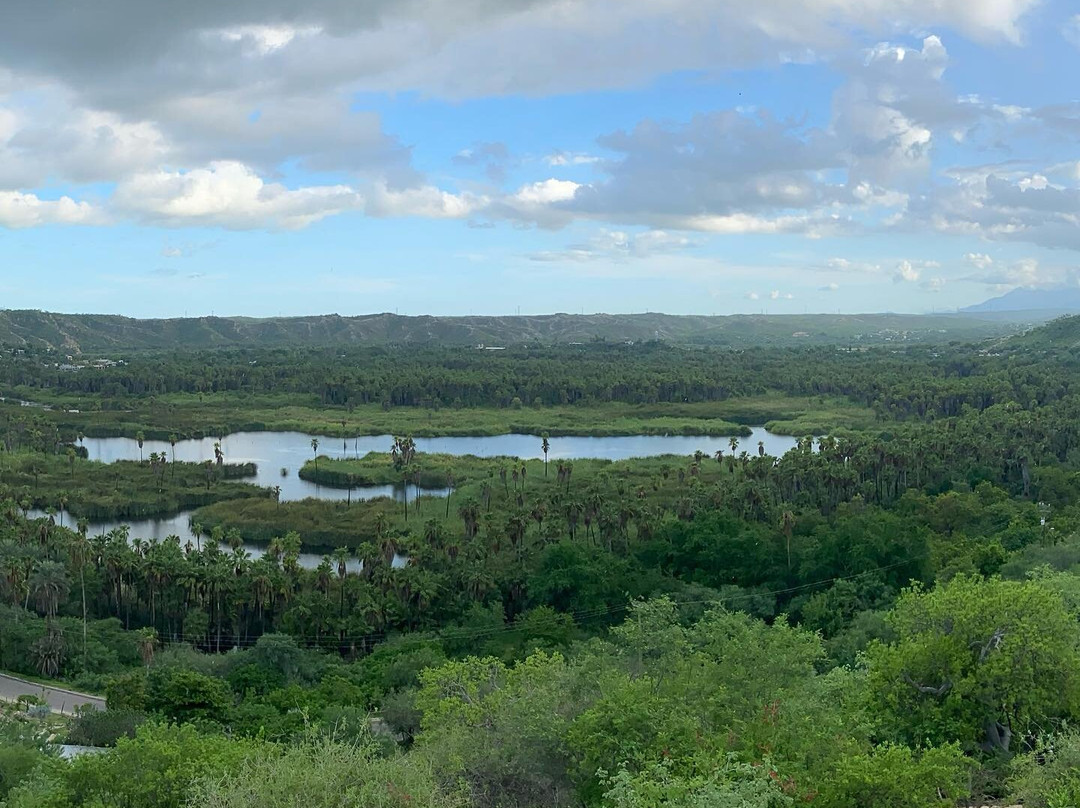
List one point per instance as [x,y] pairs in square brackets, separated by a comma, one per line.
[1003,204]
[887,110]
[123,50]
[1024,272]
[908,271]
[426,201]
[27,210]
[193,109]
[230,195]
[979,260]
[546,192]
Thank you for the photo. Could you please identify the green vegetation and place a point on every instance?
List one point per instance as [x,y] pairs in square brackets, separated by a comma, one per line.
[94,333]
[887,616]
[122,490]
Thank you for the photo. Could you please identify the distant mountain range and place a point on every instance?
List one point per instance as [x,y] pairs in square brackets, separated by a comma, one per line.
[1059,300]
[94,333]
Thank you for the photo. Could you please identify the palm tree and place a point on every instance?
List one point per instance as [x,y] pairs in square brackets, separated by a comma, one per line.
[71,461]
[172,442]
[49,586]
[341,559]
[787,525]
[80,551]
[545,445]
[470,515]
[147,639]
[140,438]
[315,451]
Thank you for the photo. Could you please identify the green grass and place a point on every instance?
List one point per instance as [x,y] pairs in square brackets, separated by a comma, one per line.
[115,491]
[209,415]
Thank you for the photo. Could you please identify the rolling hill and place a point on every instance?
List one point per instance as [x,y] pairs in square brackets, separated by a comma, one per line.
[89,333]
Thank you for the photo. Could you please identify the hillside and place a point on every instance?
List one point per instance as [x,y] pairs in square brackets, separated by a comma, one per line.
[1060,334]
[1057,300]
[82,333]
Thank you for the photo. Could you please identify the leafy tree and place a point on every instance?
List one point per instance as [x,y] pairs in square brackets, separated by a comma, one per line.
[977,661]
[184,695]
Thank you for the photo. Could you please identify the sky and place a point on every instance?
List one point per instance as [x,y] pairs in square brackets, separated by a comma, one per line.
[272,157]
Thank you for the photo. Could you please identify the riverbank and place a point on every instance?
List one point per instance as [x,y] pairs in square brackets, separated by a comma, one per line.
[189,416]
[377,468]
[122,490]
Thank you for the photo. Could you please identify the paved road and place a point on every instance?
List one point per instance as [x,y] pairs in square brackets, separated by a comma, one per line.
[58,699]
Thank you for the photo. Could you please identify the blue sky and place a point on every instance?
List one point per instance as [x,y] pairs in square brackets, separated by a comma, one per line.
[489,157]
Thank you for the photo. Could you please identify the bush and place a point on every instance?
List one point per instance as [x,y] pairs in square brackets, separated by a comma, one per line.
[324,774]
[17,762]
[104,728]
[183,696]
[898,777]
[1050,776]
[155,769]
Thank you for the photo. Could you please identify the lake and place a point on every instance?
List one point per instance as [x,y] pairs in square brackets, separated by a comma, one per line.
[274,451]
[180,525]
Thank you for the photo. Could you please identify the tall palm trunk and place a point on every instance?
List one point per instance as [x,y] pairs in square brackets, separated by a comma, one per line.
[82,583]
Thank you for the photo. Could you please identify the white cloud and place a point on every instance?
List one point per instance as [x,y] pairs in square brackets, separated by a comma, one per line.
[561,158]
[847,266]
[262,40]
[1024,272]
[1071,30]
[619,245]
[830,287]
[1006,204]
[426,201]
[906,272]
[933,284]
[546,192]
[230,195]
[19,210]
[752,296]
[979,260]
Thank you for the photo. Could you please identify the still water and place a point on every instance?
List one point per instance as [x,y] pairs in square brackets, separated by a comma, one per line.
[180,525]
[279,455]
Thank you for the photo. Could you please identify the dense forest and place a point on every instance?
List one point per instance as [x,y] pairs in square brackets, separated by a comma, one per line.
[886,615]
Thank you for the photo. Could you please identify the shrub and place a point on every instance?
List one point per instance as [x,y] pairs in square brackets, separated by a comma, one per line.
[1050,776]
[104,728]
